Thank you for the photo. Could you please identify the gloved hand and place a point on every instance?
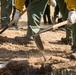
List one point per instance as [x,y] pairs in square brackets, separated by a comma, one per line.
[71,17]
[17,15]
[53,2]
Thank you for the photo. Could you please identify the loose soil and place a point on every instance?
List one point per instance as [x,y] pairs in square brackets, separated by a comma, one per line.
[10,50]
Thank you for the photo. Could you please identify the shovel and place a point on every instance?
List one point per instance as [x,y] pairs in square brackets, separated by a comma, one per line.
[52,27]
[37,38]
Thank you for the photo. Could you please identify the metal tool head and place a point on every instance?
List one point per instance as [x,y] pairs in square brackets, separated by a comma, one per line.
[38,41]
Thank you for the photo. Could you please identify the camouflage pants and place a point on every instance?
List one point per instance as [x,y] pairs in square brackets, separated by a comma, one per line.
[6,8]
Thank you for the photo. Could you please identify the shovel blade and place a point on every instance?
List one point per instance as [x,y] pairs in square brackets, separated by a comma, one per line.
[38,42]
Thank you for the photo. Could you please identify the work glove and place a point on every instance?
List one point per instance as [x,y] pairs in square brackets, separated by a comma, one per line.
[17,15]
[53,3]
[71,17]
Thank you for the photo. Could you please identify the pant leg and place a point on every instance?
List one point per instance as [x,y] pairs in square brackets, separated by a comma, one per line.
[56,12]
[13,13]
[45,15]
[64,12]
[36,10]
[48,14]
[6,8]
[44,18]
[74,37]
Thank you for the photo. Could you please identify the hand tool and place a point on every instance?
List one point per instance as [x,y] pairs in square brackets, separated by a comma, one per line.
[37,38]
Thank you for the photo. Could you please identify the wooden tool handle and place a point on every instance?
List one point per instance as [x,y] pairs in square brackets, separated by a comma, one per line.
[24,11]
[53,27]
[59,24]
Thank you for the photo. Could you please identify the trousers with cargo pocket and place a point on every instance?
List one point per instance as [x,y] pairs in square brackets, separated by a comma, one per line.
[64,12]
[36,10]
[6,8]
[70,29]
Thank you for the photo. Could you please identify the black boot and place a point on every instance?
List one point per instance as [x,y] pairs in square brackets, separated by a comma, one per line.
[73,54]
[66,41]
[24,40]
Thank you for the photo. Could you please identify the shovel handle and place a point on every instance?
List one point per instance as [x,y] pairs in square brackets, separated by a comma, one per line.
[11,23]
[53,27]
[4,28]
[60,24]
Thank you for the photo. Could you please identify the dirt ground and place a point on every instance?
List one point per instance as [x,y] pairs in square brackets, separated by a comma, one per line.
[13,50]
[9,48]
